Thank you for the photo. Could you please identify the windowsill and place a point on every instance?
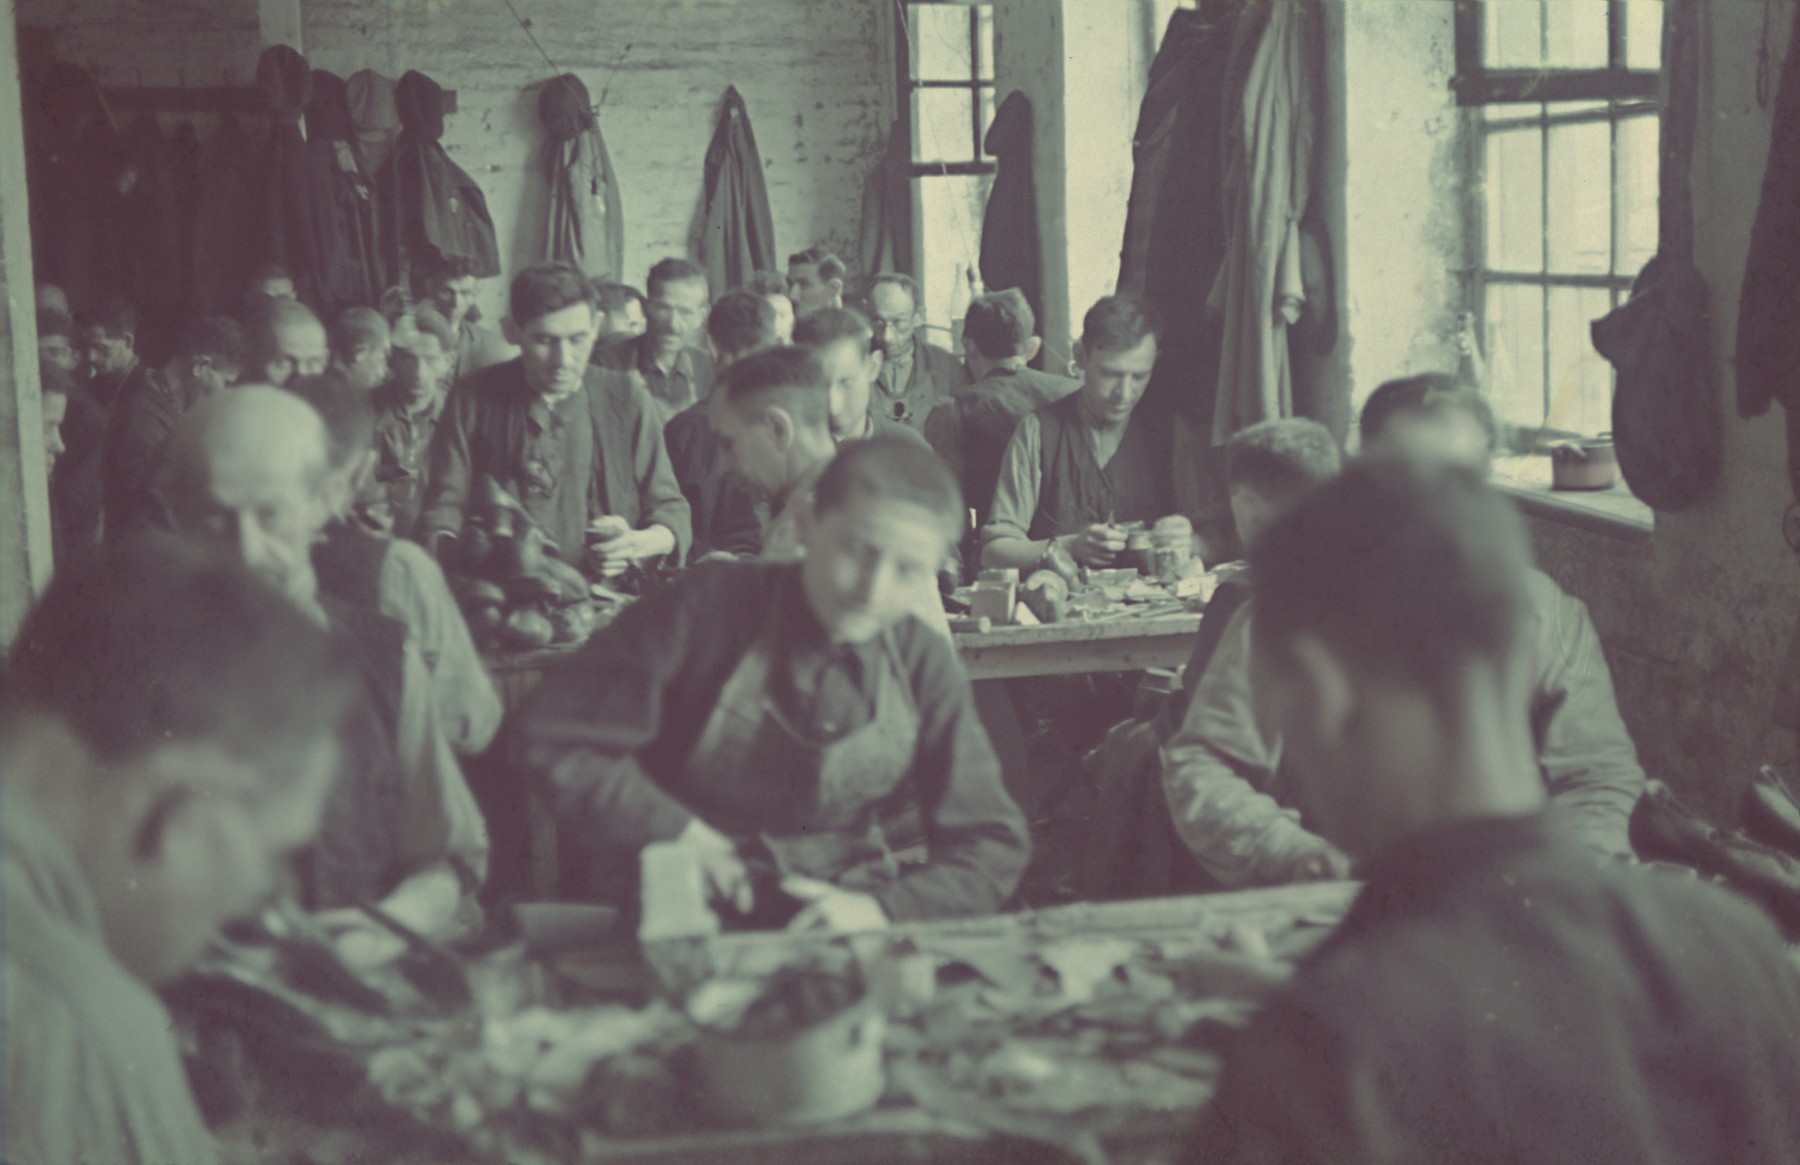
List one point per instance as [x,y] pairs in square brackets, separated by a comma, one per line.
[1613,512]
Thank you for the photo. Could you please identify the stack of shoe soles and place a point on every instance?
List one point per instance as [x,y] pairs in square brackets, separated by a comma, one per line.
[1761,861]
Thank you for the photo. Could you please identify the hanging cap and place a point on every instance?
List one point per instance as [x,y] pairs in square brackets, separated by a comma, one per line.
[420,101]
[285,81]
[565,108]
[372,109]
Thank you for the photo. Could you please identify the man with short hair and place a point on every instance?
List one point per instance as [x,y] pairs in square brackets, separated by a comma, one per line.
[106,341]
[56,340]
[668,358]
[916,375]
[725,518]
[252,471]
[394,575]
[134,479]
[815,281]
[772,419]
[1494,993]
[285,339]
[171,733]
[970,431]
[580,447]
[1075,469]
[1431,416]
[772,286]
[360,344]
[621,310]
[79,431]
[778,719]
[450,287]
[407,409]
[271,281]
[845,344]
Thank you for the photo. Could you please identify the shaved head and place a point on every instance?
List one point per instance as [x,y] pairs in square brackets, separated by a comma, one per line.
[250,472]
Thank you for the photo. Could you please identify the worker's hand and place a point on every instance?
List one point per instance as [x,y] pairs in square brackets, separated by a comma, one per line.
[1095,546]
[1321,862]
[617,553]
[829,908]
[727,879]
[359,940]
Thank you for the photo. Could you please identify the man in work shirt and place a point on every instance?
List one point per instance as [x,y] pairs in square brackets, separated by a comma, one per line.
[779,719]
[669,357]
[450,287]
[407,410]
[916,375]
[579,447]
[1075,469]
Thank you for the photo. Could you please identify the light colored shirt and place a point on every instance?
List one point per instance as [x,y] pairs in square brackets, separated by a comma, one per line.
[442,819]
[413,590]
[1230,800]
[93,1076]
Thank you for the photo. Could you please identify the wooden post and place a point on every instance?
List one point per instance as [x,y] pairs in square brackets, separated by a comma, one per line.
[24,492]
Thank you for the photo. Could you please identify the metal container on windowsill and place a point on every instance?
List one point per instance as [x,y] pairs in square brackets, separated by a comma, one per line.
[1590,463]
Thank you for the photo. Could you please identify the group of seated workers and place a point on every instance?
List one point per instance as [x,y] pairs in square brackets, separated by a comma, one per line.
[259,679]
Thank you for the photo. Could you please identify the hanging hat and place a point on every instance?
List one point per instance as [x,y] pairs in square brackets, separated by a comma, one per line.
[285,81]
[565,108]
[420,101]
[328,113]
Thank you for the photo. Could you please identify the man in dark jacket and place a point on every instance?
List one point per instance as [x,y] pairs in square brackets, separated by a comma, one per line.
[581,448]
[106,341]
[916,375]
[450,284]
[970,431]
[668,358]
[725,515]
[1495,993]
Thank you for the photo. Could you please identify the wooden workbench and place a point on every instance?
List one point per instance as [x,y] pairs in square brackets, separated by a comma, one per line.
[1078,648]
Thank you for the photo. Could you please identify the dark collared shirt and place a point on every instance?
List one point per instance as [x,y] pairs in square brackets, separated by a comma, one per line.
[688,380]
[402,445]
[725,515]
[1496,994]
[613,727]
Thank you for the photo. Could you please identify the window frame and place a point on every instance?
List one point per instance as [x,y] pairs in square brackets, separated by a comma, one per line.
[1628,93]
[906,86]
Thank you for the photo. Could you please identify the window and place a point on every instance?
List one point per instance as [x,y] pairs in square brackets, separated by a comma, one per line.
[946,74]
[1562,100]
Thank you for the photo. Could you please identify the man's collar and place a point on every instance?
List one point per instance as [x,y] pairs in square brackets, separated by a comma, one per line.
[646,359]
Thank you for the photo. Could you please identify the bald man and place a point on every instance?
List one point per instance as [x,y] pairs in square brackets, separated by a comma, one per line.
[251,471]
[286,340]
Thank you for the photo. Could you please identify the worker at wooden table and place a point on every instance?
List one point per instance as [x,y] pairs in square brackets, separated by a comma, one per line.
[1078,467]
[780,719]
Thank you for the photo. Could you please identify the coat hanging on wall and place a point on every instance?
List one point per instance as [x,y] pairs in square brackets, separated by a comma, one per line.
[224,217]
[73,161]
[344,201]
[431,207]
[150,262]
[1666,423]
[738,235]
[284,198]
[1271,139]
[586,222]
[887,243]
[1010,254]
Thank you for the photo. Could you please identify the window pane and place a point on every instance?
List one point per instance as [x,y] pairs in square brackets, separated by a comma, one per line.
[1580,199]
[1515,200]
[940,42]
[1580,379]
[941,128]
[1513,34]
[1515,335]
[1643,34]
[950,208]
[987,43]
[1638,195]
[1574,33]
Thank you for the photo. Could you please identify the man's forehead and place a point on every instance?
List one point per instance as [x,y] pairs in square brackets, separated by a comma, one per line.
[301,335]
[890,298]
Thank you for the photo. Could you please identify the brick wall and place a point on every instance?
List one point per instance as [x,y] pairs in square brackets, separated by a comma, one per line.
[811,71]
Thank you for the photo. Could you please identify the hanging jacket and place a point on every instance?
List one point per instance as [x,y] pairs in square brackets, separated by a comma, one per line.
[586,226]
[887,240]
[431,207]
[343,200]
[284,226]
[1271,139]
[374,118]
[72,161]
[1665,412]
[150,265]
[1009,226]
[739,238]
[223,216]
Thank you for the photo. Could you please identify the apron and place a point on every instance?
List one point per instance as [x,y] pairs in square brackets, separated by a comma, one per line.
[822,810]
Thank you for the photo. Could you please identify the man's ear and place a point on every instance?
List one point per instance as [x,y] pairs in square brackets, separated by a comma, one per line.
[877,358]
[1080,352]
[837,289]
[781,427]
[360,470]
[510,329]
[1033,345]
